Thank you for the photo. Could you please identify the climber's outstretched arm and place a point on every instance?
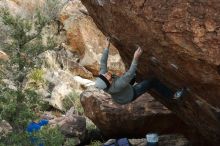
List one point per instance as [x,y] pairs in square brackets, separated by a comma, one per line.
[129,75]
[104,58]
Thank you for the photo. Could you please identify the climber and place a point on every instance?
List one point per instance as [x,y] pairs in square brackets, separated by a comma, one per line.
[120,88]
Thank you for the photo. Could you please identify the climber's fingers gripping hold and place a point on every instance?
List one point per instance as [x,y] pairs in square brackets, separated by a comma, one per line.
[108,41]
[138,53]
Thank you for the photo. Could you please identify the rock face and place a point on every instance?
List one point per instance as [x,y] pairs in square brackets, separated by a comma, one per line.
[75,28]
[142,116]
[3,56]
[61,75]
[184,38]
[70,124]
[74,125]
[65,60]
[86,39]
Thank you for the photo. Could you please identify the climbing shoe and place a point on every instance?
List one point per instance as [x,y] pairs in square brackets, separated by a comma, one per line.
[123,142]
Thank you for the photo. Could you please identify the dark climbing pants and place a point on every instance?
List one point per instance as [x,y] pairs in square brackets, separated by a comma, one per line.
[146,85]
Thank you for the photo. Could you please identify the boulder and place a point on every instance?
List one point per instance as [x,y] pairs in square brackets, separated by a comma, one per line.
[73,125]
[61,76]
[64,59]
[5,128]
[86,39]
[135,119]
[59,93]
[61,84]
[10,84]
[3,56]
[70,124]
[181,48]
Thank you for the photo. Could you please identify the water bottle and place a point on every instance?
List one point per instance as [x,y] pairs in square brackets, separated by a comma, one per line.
[152,139]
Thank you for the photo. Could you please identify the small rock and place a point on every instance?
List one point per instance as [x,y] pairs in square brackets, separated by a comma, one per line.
[5,128]
[74,126]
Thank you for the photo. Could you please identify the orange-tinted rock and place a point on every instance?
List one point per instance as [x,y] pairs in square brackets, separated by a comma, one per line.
[141,116]
[79,70]
[86,39]
[135,119]
[184,36]
[81,34]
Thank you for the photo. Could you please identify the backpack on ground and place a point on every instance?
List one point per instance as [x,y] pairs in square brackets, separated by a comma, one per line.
[118,142]
[123,142]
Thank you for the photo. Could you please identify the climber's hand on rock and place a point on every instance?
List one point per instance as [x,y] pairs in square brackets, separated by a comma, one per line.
[138,53]
[108,39]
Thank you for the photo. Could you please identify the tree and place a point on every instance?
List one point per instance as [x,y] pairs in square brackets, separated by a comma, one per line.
[21,38]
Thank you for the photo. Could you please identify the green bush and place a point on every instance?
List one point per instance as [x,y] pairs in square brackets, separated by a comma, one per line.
[21,39]
[70,142]
[50,136]
[73,100]
[36,78]
[16,139]
[18,115]
[47,136]
[96,143]
[37,75]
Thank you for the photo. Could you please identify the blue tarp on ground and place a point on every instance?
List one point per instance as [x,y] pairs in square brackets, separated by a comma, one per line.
[34,127]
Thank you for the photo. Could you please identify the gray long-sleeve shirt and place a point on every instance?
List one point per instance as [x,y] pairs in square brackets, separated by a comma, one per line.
[120,90]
